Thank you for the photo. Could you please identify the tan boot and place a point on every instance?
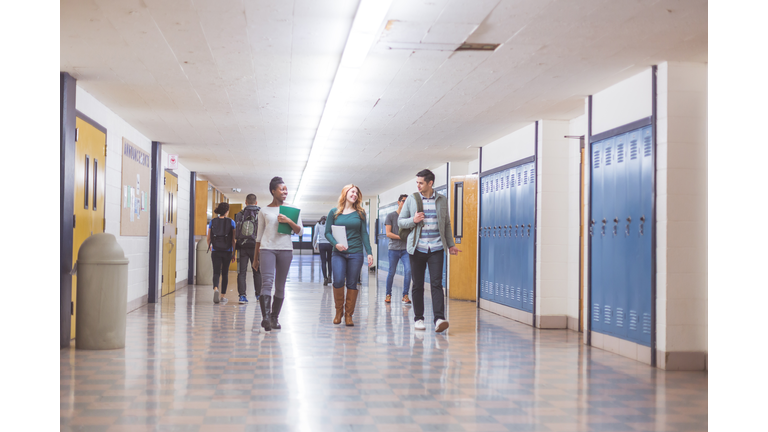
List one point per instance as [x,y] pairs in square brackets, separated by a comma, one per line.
[349,309]
[338,299]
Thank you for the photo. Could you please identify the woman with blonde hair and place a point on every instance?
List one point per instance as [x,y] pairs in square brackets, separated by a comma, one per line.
[347,262]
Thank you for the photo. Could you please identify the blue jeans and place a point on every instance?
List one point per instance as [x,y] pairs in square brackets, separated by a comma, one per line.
[394,257]
[346,266]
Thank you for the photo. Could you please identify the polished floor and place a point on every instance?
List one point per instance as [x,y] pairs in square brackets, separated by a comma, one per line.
[192,365]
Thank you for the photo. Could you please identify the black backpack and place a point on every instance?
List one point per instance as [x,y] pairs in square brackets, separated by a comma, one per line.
[247,226]
[221,234]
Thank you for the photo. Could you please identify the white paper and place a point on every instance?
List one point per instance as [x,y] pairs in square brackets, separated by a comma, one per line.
[340,234]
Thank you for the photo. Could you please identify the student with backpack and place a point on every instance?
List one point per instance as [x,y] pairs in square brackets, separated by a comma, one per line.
[221,244]
[247,225]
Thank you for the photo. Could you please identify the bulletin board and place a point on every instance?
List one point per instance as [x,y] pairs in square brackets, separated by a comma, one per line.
[134,191]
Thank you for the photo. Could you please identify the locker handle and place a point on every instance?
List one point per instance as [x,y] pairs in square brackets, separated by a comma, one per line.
[529,225]
[615,220]
[642,218]
[603,221]
[629,219]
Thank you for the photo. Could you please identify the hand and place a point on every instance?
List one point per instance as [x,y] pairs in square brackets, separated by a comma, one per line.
[340,247]
[234,257]
[255,265]
[454,250]
[370,260]
[209,247]
[418,217]
[283,218]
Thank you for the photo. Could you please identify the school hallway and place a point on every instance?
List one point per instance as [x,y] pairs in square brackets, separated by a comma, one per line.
[192,365]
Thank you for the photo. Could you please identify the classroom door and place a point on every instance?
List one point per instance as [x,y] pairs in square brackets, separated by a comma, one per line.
[90,160]
[463,272]
[170,232]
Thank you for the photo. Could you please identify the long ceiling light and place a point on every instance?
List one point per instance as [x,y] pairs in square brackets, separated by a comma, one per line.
[366,26]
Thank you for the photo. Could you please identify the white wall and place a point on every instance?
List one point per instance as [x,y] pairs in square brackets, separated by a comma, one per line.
[510,148]
[576,127]
[622,103]
[682,321]
[136,248]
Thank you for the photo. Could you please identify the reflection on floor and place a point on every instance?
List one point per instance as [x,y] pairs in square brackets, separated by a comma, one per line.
[192,365]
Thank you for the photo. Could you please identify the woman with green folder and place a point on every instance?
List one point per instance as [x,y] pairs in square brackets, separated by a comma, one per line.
[274,251]
[348,260]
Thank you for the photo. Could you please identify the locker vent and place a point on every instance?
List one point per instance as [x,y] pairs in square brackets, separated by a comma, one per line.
[506,291]
[519,298]
[619,317]
[525,177]
[507,181]
[608,151]
[647,323]
[525,296]
[607,314]
[647,145]
[530,297]
[533,175]
[632,320]
[633,149]
[519,179]
[620,153]
[497,185]
[596,313]
[596,159]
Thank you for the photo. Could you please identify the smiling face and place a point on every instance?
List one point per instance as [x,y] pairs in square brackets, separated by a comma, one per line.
[422,184]
[281,192]
[352,194]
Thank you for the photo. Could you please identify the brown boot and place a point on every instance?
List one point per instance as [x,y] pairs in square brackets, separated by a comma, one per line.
[338,299]
[349,309]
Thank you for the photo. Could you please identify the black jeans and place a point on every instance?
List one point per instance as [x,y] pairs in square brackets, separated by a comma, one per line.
[245,261]
[419,263]
[221,261]
[326,249]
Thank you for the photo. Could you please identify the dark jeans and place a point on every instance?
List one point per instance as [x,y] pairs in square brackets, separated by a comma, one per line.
[346,266]
[221,261]
[246,259]
[326,251]
[394,257]
[419,263]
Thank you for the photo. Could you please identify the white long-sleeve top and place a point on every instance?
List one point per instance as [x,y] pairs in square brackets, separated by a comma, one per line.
[268,235]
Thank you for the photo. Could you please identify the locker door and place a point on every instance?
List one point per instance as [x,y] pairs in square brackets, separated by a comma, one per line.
[646,223]
[90,186]
[620,239]
[492,240]
[506,238]
[521,294]
[634,255]
[530,232]
[597,238]
[523,260]
[609,249]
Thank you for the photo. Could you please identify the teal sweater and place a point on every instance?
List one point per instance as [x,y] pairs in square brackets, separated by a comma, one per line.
[357,234]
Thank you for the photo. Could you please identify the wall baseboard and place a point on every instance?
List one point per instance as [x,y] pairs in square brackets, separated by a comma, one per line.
[552,322]
[181,284]
[573,323]
[137,303]
[506,311]
[682,360]
[622,347]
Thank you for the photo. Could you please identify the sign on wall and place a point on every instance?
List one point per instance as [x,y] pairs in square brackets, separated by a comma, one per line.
[134,208]
[173,162]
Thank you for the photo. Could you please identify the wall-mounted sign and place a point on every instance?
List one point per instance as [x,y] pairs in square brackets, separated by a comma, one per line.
[134,211]
[173,162]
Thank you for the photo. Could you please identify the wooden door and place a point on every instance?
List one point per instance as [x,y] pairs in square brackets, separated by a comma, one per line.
[463,268]
[90,162]
[170,232]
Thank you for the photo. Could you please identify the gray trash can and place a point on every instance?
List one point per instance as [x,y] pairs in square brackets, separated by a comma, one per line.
[102,291]
[204,264]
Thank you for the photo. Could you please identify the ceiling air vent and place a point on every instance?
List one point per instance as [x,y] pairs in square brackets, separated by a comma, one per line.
[477,47]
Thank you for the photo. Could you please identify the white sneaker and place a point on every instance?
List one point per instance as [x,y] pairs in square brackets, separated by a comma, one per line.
[216,296]
[419,325]
[440,325]
[224,299]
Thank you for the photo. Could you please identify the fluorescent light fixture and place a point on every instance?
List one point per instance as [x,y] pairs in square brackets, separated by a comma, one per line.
[366,26]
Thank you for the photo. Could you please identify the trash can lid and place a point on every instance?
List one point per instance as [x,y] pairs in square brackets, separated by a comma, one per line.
[101,248]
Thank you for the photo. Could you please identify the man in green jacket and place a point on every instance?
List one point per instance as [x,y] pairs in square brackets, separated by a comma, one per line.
[430,236]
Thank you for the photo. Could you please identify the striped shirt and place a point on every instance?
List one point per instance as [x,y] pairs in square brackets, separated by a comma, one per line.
[429,241]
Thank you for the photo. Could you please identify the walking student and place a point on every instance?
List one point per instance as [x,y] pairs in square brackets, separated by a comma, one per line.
[397,253]
[426,214]
[247,224]
[221,244]
[321,243]
[348,261]
[274,252]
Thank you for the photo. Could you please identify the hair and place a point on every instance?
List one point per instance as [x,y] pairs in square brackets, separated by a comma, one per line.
[358,204]
[250,199]
[222,209]
[402,196]
[322,220]
[275,183]
[428,175]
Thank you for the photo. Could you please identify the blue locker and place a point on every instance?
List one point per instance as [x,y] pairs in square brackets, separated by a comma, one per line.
[481,239]
[523,258]
[530,232]
[522,293]
[496,263]
[634,252]
[646,201]
[619,238]
[609,191]
[597,238]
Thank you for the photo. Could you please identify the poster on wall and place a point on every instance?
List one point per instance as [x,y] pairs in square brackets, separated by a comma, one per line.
[134,216]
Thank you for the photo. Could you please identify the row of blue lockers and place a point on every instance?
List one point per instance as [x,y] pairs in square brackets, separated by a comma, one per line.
[621,233]
[508,235]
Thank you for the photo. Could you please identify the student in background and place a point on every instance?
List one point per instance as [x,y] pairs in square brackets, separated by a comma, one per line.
[397,253]
[274,252]
[321,243]
[348,261]
[246,245]
[221,243]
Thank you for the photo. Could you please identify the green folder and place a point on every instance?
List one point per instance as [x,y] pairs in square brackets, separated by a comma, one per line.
[293,214]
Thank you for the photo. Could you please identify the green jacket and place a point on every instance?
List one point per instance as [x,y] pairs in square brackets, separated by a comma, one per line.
[443,222]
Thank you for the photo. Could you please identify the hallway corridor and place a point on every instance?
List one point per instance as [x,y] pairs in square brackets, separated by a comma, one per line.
[192,365]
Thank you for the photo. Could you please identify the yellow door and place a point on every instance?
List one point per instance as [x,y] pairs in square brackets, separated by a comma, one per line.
[463,274]
[90,162]
[170,232]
